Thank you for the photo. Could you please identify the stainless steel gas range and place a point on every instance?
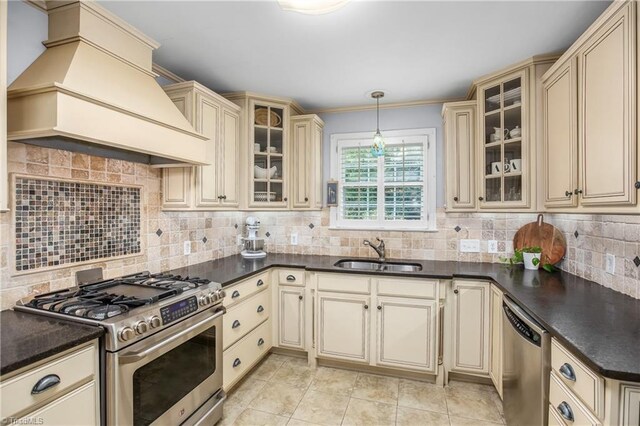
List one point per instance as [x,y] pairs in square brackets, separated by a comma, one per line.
[163,345]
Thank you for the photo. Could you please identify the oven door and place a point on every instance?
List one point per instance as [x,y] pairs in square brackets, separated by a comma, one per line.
[165,378]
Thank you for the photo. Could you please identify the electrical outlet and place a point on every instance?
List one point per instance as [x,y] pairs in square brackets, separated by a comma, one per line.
[611,264]
[294,239]
[187,247]
[492,246]
[470,246]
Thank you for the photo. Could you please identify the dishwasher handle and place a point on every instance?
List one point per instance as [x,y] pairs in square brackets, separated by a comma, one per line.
[523,327]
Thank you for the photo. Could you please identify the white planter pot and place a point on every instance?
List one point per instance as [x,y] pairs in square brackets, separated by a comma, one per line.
[528,260]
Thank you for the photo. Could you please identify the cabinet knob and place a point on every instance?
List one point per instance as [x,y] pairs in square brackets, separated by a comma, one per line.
[219,197]
[366,306]
[480,198]
[379,307]
[577,191]
[568,193]
[637,184]
[455,198]
[285,198]
[306,198]
[455,291]
[224,197]
[300,297]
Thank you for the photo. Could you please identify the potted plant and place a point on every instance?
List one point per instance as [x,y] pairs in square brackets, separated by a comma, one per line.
[531,257]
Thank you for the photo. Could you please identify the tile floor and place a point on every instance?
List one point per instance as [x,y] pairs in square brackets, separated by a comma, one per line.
[282,390]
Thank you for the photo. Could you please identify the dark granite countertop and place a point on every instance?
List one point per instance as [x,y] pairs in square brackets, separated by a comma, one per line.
[27,338]
[599,325]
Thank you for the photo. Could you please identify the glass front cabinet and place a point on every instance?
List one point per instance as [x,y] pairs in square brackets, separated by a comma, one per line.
[504,155]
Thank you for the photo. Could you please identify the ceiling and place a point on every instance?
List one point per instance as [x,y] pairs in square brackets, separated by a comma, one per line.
[415,50]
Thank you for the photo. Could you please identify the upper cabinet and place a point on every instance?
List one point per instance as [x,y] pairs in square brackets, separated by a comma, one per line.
[215,186]
[459,123]
[3,108]
[590,146]
[306,164]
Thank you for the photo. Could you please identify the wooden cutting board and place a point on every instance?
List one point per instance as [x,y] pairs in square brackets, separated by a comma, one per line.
[545,236]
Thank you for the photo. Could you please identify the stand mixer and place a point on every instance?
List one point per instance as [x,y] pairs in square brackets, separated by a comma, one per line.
[253,246]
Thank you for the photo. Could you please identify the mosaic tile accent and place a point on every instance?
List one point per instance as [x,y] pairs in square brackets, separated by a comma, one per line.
[636,261]
[267,235]
[457,229]
[64,222]
[311,226]
[575,234]
[204,240]
[159,232]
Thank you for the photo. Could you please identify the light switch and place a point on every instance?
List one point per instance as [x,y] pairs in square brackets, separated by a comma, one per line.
[610,264]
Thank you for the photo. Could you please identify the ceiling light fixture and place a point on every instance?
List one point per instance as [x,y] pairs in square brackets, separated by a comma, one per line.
[377,149]
[312,7]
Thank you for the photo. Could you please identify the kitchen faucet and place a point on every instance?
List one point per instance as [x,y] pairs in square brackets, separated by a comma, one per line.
[379,249]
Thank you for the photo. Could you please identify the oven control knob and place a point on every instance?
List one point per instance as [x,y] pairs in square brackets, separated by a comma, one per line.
[204,300]
[126,333]
[155,322]
[141,327]
[217,295]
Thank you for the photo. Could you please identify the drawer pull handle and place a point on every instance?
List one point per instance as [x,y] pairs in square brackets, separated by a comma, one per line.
[260,341]
[259,283]
[237,362]
[235,294]
[235,324]
[45,383]
[260,309]
[567,372]
[291,278]
[565,411]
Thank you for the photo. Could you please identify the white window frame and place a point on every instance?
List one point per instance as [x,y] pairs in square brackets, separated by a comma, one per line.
[428,136]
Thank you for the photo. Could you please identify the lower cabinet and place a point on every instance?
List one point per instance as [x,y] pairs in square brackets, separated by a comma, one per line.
[291,309]
[495,366]
[470,327]
[343,326]
[239,358]
[407,333]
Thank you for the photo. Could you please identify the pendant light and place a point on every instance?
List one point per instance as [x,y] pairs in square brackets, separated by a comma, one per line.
[312,7]
[377,149]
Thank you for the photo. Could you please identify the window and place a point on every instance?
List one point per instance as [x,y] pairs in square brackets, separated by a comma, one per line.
[395,192]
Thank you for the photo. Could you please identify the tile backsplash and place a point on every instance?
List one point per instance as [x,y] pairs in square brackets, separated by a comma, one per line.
[213,234]
[60,222]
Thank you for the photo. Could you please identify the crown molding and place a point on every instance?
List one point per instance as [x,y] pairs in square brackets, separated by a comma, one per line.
[384,106]
[163,72]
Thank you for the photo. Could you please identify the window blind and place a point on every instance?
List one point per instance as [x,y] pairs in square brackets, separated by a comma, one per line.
[359,183]
[404,182]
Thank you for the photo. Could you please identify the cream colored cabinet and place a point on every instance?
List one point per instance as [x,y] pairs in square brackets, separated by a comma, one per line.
[495,366]
[470,327]
[306,165]
[3,108]
[630,406]
[591,154]
[459,123]
[291,317]
[215,186]
[607,120]
[560,138]
[407,333]
[343,326]
[73,400]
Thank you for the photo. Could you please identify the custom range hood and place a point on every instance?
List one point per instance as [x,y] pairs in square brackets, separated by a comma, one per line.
[92,90]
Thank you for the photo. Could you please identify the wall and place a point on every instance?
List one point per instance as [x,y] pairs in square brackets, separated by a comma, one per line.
[414,117]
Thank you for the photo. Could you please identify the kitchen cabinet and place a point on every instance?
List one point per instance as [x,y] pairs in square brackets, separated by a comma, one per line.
[630,404]
[560,138]
[265,150]
[407,333]
[291,317]
[215,186]
[470,304]
[459,123]
[590,118]
[495,366]
[4,183]
[343,326]
[306,165]
[77,390]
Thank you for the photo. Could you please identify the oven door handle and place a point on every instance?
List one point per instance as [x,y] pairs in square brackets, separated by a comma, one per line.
[137,356]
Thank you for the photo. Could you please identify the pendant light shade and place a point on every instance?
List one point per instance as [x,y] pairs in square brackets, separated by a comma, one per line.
[377,149]
[312,7]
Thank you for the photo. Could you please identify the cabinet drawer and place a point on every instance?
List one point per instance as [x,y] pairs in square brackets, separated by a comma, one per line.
[291,276]
[236,293]
[239,358]
[71,370]
[587,385]
[78,408]
[426,289]
[243,317]
[340,283]
[559,396]
[554,417]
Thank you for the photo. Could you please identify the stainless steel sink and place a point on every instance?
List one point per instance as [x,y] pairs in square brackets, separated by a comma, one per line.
[373,265]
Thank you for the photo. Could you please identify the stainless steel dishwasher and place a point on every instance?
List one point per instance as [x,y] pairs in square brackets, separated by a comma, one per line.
[525,378]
